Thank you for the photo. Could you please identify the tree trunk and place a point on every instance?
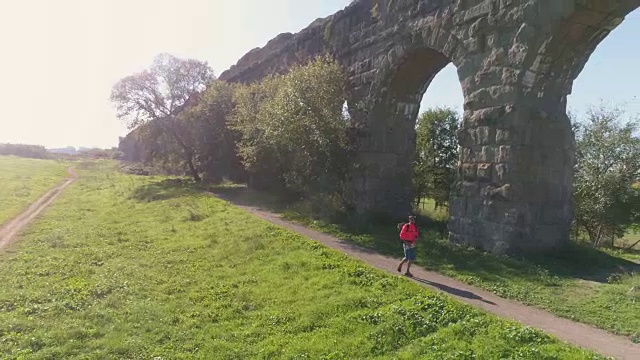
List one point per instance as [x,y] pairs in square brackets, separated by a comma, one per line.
[634,245]
[598,236]
[193,170]
[613,239]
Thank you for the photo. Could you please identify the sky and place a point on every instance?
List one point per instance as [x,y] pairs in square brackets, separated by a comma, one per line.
[61,58]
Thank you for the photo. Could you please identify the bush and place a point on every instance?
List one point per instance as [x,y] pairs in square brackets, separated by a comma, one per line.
[608,163]
[293,130]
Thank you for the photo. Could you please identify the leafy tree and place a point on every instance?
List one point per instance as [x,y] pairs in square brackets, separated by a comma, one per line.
[156,97]
[608,164]
[294,130]
[436,154]
[215,141]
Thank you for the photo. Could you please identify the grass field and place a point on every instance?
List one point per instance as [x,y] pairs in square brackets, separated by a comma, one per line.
[25,180]
[427,208]
[132,267]
[632,237]
[584,284]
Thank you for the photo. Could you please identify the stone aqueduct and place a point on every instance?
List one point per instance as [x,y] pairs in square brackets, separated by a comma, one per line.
[516,62]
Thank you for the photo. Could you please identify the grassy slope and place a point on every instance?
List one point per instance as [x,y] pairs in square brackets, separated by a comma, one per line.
[25,180]
[582,285]
[129,267]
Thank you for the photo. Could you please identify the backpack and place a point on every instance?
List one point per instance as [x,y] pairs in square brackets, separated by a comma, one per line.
[400,226]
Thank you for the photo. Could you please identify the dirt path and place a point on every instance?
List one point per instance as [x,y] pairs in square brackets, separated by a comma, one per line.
[581,335]
[10,230]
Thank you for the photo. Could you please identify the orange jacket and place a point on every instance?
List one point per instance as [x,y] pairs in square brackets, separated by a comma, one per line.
[409,233]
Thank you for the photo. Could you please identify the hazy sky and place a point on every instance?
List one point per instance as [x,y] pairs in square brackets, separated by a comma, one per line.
[60,58]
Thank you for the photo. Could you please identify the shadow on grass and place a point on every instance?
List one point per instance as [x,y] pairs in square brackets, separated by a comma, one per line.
[436,253]
[164,190]
[578,261]
[243,196]
[454,291]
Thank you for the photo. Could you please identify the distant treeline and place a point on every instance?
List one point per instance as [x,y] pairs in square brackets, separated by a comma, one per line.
[40,152]
[23,150]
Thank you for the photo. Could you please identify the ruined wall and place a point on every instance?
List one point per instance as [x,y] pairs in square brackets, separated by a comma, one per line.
[516,62]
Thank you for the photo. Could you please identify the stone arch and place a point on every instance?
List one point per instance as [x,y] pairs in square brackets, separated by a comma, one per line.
[433,46]
[563,53]
[516,62]
[387,142]
[515,181]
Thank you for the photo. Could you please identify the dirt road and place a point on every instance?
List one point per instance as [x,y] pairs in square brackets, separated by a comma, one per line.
[10,230]
[578,334]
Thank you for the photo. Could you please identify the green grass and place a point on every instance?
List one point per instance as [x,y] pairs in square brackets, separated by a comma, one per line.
[632,237]
[25,180]
[601,288]
[583,285]
[138,268]
[428,208]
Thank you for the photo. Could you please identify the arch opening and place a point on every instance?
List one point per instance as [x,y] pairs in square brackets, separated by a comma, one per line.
[389,148]
[415,74]
[605,87]
[610,72]
[564,53]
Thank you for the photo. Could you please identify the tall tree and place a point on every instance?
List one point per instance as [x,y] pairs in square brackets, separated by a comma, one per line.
[156,97]
[294,129]
[215,141]
[436,154]
[608,164]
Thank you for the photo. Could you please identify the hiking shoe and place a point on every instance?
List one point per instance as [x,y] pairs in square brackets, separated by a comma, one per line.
[408,274]
[399,268]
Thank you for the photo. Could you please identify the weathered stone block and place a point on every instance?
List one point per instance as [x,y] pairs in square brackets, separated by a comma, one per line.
[553,214]
[483,135]
[510,75]
[514,217]
[486,154]
[505,3]
[469,172]
[505,192]
[469,189]
[468,155]
[491,233]
[458,206]
[503,137]
[464,137]
[590,17]
[501,173]
[474,208]
[484,171]
[504,154]
[484,117]
[492,76]
[478,11]
[548,237]
[467,226]
[458,239]
[496,59]
[453,225]
[487,211]
[491,97]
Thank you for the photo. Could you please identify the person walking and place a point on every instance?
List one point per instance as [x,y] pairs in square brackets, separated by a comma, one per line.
[408,237]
